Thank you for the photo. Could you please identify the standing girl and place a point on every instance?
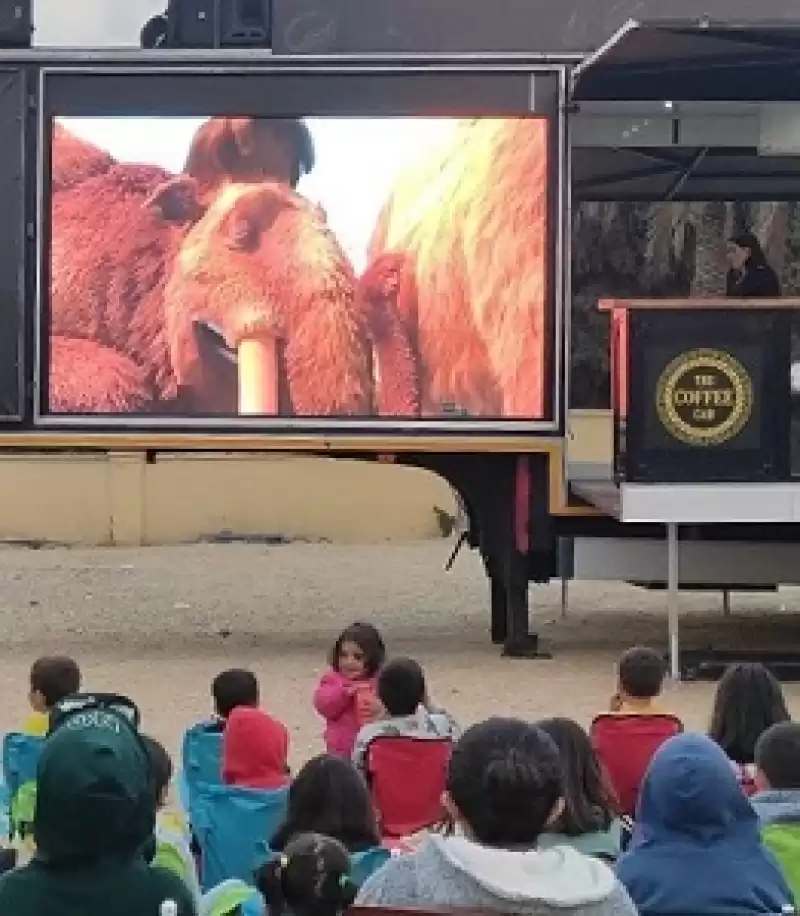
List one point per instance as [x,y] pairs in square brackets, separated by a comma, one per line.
[345,697]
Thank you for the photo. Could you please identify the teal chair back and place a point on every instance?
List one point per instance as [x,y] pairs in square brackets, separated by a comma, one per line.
[233,827]
[233,898]
[201,762]
[363,864]
[21,755]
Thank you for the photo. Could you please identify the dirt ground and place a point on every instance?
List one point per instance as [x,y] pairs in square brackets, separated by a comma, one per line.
[158,623]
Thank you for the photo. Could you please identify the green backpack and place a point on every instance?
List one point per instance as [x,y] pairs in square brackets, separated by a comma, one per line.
[783,841]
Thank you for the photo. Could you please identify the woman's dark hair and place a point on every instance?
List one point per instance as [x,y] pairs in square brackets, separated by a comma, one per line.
[368,639]
[328,796]
[505,780]
[748,700]
[750,241]
[311,877]
[589,802]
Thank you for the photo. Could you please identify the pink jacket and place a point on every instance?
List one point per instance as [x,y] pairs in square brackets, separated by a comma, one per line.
[335,701]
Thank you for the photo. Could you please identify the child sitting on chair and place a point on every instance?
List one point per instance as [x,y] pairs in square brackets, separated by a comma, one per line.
[626,738]
[173,836]
[310,878]
[408,711]
[51,679]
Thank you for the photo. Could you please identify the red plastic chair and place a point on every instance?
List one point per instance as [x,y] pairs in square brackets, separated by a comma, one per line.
[625,745]
[407,779]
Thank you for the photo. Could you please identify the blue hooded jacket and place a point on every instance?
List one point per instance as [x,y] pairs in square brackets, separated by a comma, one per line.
[696,847]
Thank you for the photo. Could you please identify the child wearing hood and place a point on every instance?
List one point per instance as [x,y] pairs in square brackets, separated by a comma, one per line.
[696,846]
[255,750]
[504,788]
[94,822]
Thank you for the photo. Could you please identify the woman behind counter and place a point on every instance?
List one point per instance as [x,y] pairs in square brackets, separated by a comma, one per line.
[750,275]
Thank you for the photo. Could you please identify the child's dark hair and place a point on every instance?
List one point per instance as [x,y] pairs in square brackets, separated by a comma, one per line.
[401,686]
[311,877]
[160,764]
[368,639]
[748,700]
[589,801]
[505,780]
[232,688]
[778,755]
[55,677]
[641,672]
[328,796]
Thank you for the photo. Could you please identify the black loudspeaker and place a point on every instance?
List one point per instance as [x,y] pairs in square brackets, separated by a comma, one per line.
[245,23]
[192,24]
[218,24]
[16,23]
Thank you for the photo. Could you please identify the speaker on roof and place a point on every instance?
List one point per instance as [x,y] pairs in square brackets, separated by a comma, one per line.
[16,23]
[210,24]
[245,23]
[192,24]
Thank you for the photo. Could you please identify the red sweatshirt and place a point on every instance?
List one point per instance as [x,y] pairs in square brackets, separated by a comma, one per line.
[255,750]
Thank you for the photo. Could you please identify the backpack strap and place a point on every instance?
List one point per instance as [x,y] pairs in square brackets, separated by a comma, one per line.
[121,705]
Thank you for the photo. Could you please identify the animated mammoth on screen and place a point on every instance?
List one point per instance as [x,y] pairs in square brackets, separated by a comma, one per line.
[222,290]
[156,278]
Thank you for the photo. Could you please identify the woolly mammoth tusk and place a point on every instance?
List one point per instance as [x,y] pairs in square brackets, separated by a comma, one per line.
[258,375]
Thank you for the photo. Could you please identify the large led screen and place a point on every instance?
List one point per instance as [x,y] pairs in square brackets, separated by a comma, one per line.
[320,267]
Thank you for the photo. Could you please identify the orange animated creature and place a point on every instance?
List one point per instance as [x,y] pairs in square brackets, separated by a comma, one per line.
[262,268]
[458,277]
[157,279]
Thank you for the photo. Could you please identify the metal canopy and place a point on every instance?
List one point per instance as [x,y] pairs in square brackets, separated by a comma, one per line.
[693,61]
[680,173]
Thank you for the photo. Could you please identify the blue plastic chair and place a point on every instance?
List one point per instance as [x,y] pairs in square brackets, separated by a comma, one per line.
[21,755]
[363,864]
[201,762]
[233,827]
[232,897]
[253,906]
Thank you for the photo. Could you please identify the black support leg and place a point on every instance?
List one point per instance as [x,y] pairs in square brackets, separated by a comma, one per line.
[519,642]
[499,612]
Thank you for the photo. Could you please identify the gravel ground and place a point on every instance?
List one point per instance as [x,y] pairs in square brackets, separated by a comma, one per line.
[158,623]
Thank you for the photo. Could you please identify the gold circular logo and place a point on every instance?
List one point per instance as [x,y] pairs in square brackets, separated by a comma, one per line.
[704,397]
